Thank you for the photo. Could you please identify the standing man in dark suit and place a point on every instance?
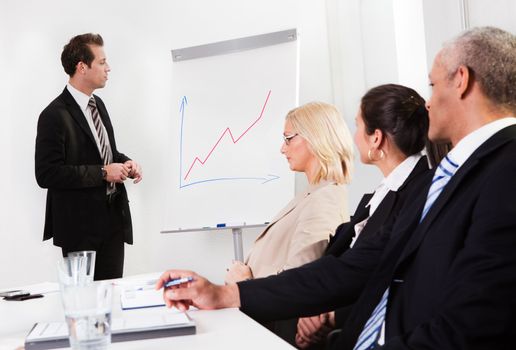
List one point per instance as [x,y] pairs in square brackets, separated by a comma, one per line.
[77,160]
[446,276]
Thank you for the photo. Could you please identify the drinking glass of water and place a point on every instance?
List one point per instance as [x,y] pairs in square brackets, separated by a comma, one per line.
[84,264]
[87,308]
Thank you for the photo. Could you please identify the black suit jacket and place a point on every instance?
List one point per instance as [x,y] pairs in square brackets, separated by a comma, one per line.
[386,213]
[345,232]
[68,164]
[384,216]
[452,277]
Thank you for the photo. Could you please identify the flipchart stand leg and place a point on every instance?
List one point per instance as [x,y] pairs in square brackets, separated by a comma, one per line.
[237,244]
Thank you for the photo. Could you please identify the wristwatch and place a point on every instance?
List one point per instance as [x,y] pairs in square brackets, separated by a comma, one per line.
[104,172]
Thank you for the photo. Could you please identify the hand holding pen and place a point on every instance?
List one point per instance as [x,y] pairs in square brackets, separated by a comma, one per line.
[178,281]
[174,281]
[152,284]
[187,288]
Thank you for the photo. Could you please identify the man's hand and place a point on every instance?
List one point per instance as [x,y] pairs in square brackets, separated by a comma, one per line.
[313,330]
[116,172]
[135,171]
[200,293]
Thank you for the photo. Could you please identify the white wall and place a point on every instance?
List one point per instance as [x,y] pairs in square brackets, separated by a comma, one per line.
[410,44]
[373,42]
[442,22]
[346,47]
[500,13]
[5,141]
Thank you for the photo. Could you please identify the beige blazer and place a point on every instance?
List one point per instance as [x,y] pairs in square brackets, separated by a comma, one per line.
[300,232]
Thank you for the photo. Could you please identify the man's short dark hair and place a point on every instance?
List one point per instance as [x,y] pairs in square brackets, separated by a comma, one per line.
[78,50]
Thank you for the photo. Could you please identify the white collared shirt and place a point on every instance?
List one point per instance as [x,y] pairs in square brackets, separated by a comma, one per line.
[469,144]
[392,182]
[82,100]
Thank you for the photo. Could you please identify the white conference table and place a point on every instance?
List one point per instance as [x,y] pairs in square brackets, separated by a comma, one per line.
[216,329]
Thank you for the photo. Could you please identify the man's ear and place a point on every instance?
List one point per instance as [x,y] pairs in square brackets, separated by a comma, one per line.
[463,80]
[80,67]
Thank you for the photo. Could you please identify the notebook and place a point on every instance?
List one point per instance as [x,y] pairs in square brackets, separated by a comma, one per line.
[136,297]
[55,334]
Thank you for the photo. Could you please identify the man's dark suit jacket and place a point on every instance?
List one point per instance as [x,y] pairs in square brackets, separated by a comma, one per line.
[452,277]
[68,163]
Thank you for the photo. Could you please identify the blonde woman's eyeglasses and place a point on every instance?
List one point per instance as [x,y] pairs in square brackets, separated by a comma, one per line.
[287,138]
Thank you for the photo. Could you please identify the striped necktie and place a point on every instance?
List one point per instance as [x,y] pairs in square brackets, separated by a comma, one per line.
[368,339]
[442,175]
[371,332]
[105,149]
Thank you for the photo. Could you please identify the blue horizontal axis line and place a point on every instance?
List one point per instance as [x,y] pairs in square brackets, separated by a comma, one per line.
[265,180]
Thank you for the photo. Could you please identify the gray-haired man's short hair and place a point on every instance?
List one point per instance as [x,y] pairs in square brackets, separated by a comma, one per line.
[490,54]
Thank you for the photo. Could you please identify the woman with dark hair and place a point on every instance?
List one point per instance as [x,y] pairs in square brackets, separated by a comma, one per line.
[392,127]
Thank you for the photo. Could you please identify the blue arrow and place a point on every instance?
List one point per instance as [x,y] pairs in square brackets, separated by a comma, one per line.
[184,102]
[264,180]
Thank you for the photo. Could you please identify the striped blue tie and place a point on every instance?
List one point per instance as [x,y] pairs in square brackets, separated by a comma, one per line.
[368,339]
[442,175]
[371,332]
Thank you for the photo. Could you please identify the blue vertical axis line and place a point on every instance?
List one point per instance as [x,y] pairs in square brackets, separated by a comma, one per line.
[184,101]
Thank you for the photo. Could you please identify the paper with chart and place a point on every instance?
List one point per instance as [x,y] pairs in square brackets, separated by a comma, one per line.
[225,137]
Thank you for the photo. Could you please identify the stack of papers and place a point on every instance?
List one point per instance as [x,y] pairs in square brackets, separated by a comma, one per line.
[136,297]
[55,334]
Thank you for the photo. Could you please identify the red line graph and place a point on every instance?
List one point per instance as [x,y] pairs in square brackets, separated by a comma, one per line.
[227,131]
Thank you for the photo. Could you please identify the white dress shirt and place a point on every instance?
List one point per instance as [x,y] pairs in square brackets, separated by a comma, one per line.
[392,182]
[82,100]
[465,147]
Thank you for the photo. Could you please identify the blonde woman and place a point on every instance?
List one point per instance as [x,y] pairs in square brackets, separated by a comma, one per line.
[317,142]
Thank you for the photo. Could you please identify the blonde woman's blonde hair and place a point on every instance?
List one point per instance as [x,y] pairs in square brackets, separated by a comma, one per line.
[328,136]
